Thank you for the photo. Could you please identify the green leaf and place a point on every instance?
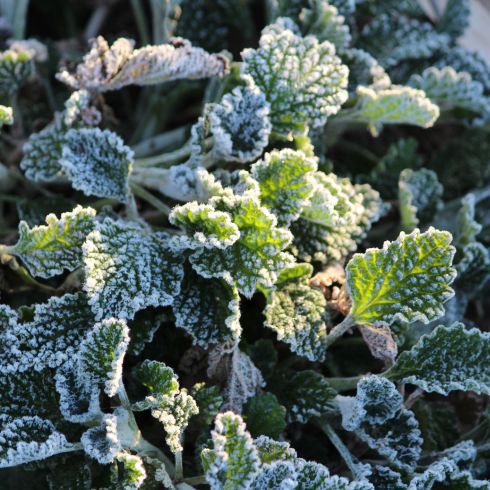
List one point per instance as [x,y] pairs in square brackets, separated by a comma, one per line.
[296,312]
[128,471]
[128,268]
[467,228]
[306,394]
[323,21]
[49,339]
[385,478]
[27,439]
[419,195]
[270,450]
[450,89]
[256,257]
[97,163]
[276,475]
[208,309]
[169,405]
[47,250]
[16,67]
[448,359]
[264,415]
[473,269]
[406,280]
[102,442]
[302,79]
[209,401]
[455,19]
[285,182]
[101,354]
[233,463]
[240,124]
[394,105]
[205,226]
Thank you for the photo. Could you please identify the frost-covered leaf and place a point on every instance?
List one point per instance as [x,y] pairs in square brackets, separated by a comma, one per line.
[398,439]
[97,163]
[473,269]
[168,404]
[47,250]
[400,155]
[279,475]
[322,20]
[419,195]
[78,399]
[338,215]
[101,354]
[110,68]
[43,150]
[455,19]
[102,442]
[208,309]
[28,439]
[392,38]
[285,182]
[47,340]
[264,415]
[240,124]
[209,401]
[384,478]
[407,279]
[233,463]
[450,89]
[394,105]
[445,473]
[16,67]
[128,268]
[256,257]
[306,394]
[303,80]
[270,450]
[377,400]
[467,228]
[73,474]
[205,226]
[447,359]
[296,312]
[128,471]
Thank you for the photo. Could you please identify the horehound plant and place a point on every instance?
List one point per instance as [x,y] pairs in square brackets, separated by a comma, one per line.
[251,255]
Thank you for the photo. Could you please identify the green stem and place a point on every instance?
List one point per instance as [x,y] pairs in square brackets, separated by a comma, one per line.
[339,330]
[175,137]
[196,480]
[165,159]
[142,193]
[179,467]
[344,384]
[157,16]
[132,209]
[22,272]
[341,448]
[139,16]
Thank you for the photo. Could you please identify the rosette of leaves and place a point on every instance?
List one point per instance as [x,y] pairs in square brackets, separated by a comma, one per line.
[303,80]
[16,67]
[112,67]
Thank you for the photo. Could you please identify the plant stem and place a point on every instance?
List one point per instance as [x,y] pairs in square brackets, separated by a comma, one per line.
[158,143]
[139,16]
[131,209]
[341,448]
[339,330]
[95,22]
[344,384]
[196,480]
[179,468]
[165,159]
[142,193]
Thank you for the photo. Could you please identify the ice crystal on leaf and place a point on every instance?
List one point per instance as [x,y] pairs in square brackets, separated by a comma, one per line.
[102,442]
[394,105]
[285,182]
[419,195]
[208,309]
[240,124]
[110,68]
[128,268]
[47,250]
[449,358]
[296,312]
[97,163]
[131,473]
[101,354]
[303,80]
[467,228]
[27,439]
[407,279]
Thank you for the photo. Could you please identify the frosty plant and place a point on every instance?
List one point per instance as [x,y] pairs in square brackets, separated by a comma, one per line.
[252,257]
